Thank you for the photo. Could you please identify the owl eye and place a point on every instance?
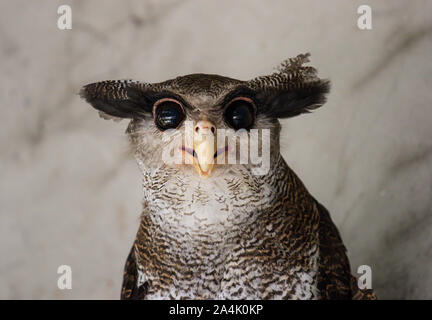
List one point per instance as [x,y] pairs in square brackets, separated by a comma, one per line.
[240,113]
[168,114]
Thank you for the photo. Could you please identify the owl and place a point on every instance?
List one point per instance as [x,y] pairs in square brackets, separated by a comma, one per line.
[224,216]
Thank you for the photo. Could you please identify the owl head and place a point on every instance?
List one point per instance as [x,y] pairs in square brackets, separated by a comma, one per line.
[204,125]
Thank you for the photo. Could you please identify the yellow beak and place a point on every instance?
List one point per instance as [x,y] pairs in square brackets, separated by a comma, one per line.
[204,148]
[201,149]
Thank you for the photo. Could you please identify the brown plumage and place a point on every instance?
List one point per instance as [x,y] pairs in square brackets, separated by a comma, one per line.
[214,230]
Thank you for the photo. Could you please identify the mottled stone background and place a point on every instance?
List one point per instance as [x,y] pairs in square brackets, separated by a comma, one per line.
[70,191]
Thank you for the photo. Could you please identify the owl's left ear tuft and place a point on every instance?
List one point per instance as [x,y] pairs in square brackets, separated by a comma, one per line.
[293,90]
[293,102]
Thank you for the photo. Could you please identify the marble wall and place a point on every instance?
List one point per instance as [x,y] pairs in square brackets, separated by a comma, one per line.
[70,191]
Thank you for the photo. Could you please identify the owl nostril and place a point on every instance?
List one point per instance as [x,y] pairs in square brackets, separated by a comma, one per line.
[203,126]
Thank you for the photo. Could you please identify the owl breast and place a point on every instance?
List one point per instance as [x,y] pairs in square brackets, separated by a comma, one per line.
[224,239]
[236,278]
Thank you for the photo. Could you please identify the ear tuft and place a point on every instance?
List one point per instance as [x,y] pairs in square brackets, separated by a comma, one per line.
[293,90]
[291,103]
[117,98]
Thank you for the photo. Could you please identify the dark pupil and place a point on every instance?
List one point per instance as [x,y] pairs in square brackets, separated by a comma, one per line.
[169,115]
[239,115]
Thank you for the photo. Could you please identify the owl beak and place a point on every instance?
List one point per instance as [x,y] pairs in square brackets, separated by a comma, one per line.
[202,151]
[204,162]
[204,145]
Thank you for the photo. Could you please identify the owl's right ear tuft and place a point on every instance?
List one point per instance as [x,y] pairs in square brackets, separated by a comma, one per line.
[119,98]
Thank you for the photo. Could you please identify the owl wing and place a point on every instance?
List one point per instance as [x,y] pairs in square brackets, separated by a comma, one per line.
[131,288]
[335,280]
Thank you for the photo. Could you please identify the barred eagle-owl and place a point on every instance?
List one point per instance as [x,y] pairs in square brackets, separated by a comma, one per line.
[215,229]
